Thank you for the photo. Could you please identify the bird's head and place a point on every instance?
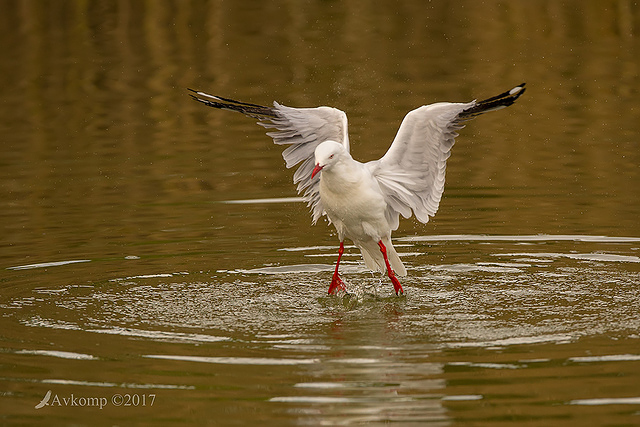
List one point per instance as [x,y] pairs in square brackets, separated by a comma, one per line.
[327,154]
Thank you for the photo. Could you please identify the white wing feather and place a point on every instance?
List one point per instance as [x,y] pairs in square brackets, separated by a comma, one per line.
[303,129]
[412,172]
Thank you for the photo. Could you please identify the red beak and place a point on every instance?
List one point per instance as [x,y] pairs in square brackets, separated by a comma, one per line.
[317,169]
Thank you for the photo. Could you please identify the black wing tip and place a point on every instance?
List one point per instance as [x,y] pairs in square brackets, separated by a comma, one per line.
[510,94]
[252,110]
[193,94]
[517,91]
[497,102]
[227,100]
[509,97]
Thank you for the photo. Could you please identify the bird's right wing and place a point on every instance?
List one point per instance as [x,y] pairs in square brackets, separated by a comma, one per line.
[411,174]
[302,129]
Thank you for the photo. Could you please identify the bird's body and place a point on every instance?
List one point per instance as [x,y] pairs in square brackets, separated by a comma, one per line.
[355,205]
[364,201]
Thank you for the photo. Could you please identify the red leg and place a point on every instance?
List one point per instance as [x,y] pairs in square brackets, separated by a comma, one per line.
[396,284]
[336,282]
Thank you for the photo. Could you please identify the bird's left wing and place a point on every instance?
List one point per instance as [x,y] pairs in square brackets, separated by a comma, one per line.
[411,174]
[302,129]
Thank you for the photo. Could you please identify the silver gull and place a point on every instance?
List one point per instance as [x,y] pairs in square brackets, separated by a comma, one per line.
[364,201]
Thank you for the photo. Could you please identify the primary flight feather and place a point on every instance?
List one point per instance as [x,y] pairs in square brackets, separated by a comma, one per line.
[364,201]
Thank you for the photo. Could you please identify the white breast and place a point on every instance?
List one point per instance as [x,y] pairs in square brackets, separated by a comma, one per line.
[354,203]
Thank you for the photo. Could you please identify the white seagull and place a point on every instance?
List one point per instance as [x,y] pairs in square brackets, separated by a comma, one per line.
[364,201]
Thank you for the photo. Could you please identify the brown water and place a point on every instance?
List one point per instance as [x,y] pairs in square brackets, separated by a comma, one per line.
[129,281]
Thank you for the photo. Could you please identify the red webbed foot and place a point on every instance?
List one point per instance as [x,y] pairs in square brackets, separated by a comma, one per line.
[392,275]
[336,285]
[336,282]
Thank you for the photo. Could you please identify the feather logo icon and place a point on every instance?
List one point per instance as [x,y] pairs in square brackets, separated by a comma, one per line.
[44,401]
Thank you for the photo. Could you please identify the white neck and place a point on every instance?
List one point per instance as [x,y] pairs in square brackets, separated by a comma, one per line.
[344,172]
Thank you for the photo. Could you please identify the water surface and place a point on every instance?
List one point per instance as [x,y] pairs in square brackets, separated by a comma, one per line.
[158,269]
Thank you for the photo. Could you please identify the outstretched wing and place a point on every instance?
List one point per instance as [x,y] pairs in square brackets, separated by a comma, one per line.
[302,129]
[411,174]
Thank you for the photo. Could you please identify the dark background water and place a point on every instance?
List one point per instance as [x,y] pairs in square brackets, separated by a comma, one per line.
[123,272]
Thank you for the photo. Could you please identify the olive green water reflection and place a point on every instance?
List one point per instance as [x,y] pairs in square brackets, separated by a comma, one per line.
[123,272]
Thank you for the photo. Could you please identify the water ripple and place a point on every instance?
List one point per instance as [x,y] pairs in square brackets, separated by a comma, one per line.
[234,360]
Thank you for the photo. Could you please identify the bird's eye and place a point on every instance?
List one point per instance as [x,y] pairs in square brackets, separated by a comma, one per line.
[331,156]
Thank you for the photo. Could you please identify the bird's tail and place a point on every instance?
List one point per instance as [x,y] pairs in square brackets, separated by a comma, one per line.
[491,104]
[374,260]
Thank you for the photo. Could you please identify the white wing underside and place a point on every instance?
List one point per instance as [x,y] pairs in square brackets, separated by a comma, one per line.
[303,129]
[412,172]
